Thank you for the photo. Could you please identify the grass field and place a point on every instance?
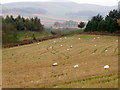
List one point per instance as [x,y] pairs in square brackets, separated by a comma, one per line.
[30,66]
[29,35]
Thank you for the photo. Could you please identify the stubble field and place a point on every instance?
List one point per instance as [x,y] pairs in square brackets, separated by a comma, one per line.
[30,66]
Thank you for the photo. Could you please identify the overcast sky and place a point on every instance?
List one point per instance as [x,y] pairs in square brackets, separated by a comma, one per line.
[99,2]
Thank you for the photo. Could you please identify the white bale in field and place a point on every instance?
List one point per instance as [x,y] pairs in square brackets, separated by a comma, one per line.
[55,64]
[76,66]
[54,41]
[60,38]
[116,40]
[71,46]
[106,67]
[68,49]
[65,37]
[106,50]
[95,45]
[78,38]
[50,46]
[61,45]
[94,38]
[38,43]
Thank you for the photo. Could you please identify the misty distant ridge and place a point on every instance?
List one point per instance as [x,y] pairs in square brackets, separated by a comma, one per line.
[56,2]
[49,12]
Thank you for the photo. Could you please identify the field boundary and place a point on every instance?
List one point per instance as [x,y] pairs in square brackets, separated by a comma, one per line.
[25,42]
[100,33]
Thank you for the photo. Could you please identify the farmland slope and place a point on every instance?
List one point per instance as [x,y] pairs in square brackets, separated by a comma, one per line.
[31,65]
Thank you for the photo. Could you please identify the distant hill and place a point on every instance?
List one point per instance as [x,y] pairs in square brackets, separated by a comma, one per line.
[26,10]
[49,12]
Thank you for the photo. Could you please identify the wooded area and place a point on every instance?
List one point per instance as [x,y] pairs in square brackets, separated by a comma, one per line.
[11,25]
[111,22]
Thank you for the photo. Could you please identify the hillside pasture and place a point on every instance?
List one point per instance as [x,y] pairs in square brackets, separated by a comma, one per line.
[29,35]
[30,66]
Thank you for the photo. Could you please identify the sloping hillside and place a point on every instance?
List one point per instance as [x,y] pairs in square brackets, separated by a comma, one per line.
[30,66]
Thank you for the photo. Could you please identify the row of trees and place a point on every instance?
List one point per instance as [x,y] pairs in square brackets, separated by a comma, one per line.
[10,27]
[22,24]
[111,23]
[66,24]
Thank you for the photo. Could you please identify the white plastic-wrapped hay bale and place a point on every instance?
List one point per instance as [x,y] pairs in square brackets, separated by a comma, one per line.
[61,45]
[106,67]
[54,41]
[55,64]
[75,66]
[71,46]
[68,49]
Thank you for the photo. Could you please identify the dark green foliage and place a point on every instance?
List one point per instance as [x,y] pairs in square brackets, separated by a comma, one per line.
[88,26]
[37,25]
[109,24]
[53,33]
[8,33]
[19,23]
[97,18]
[113,14]
[81,25]
[9,19]
[22,24]
[11,25]
[93,24]
[101,26]
[34,38]
[112,25]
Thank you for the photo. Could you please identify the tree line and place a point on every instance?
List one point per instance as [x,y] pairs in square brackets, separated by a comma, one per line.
[24,24]
[11,25]
[109,23]
[66,24]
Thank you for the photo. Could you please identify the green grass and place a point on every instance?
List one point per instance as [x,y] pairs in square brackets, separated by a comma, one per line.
[29,35]
[67,32]
[100,81]
[71,33]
